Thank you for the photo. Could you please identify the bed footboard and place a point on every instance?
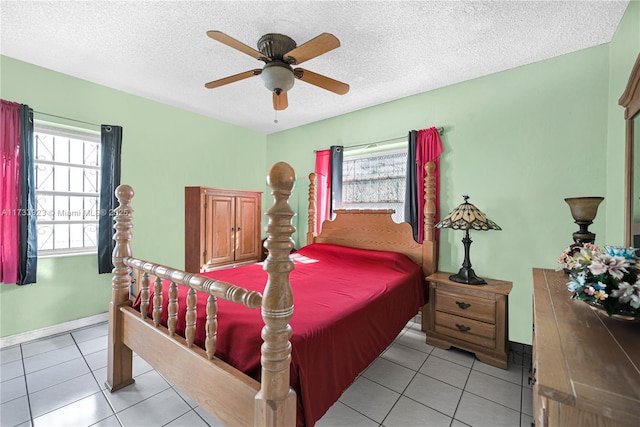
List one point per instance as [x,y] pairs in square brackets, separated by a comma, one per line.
[232,396]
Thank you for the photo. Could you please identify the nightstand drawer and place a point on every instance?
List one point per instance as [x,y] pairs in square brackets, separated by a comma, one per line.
[462,328]
[465,305]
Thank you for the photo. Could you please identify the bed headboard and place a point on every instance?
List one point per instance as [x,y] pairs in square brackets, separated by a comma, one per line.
[375,228]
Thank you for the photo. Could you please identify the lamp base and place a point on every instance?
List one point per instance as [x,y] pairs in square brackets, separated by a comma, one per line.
[468,276]
[584,235]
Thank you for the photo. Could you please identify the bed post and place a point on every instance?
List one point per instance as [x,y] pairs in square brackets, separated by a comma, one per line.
[275,403]
[311,228]
[429,245]
[119,356]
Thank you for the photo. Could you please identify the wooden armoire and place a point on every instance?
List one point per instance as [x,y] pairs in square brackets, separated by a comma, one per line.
[222,227]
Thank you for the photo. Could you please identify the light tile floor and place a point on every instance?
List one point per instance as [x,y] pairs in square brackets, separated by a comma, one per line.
[59,381]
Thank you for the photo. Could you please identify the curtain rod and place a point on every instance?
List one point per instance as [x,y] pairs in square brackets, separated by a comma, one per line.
[440,132]
[65,118]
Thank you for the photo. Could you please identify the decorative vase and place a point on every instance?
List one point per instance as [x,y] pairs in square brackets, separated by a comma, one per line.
[622,317]
[583,211]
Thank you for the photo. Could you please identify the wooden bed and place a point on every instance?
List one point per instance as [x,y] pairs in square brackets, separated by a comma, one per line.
[227,393]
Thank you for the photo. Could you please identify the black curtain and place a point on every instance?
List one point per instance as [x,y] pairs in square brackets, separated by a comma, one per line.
[335,164]
[111,149]
[28,232]
[411,188]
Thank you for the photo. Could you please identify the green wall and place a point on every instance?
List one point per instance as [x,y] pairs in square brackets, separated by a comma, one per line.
[164,150]
[518,142]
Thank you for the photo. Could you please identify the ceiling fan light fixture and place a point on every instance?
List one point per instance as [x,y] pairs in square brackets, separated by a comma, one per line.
[277,77]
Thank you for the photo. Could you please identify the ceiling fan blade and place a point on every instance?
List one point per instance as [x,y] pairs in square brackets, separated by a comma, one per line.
[238,45]
[314,47]
[280,102]
[321,81]
[234,78]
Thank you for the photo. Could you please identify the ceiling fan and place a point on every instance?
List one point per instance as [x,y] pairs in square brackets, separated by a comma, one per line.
[279,53]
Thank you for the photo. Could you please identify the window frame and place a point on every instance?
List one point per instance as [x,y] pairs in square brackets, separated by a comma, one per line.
[85,135]
[359,154]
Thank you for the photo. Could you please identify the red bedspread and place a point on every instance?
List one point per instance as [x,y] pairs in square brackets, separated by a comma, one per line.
[349,305]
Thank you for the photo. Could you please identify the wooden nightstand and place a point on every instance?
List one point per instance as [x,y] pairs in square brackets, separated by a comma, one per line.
[470,317]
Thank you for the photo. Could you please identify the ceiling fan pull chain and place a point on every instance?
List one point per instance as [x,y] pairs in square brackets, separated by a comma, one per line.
[275,120]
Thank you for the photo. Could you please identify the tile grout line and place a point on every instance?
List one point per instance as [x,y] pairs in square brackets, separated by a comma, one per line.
[522,389]
[184,400]
[455,411]
[143,400]
[181,415]
[75,344]
[69,379]
[415,373]
[26,387]
[97,382]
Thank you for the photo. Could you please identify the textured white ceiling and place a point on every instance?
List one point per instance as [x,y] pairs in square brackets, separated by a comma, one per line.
[389,49]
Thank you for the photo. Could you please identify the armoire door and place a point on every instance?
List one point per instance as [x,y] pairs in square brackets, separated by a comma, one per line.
[247,228]
[219,230]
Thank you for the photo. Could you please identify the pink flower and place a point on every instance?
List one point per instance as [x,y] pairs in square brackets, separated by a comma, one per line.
[591,247]
[604,263]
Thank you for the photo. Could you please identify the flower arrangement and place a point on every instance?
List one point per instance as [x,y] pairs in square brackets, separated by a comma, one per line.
[606,278]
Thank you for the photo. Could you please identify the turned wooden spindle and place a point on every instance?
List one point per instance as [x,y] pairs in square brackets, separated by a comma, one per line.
[144,296]
[190,317]
[276,402]
[119,356]
[311,223]
[157,301]
[211,327]
[172,319]
[429,201]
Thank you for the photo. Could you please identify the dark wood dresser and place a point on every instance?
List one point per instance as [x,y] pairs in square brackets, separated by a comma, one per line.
[586,366]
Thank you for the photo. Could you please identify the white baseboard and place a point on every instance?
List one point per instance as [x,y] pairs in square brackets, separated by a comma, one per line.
[52,330]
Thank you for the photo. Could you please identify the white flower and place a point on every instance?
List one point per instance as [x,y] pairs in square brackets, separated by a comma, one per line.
[628,293]
[576,282]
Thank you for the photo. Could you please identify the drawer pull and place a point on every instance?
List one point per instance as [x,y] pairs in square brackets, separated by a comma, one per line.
[463,305]
[463,328]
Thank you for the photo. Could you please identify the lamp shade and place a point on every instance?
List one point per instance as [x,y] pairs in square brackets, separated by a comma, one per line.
[467,217]
[583,211]
[277,78]
[584,208]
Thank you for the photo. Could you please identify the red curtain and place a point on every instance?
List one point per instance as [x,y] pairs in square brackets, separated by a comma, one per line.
[323,188]
[428,149]
[10,192]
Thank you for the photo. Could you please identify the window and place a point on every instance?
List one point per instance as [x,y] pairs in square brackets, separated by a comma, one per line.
[67,175]
[375,181]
